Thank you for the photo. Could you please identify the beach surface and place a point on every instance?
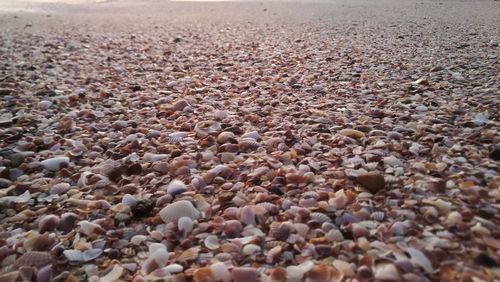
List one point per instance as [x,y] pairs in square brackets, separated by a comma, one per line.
[249,141]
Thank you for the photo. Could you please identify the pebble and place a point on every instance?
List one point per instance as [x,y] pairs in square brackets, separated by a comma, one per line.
[371,181]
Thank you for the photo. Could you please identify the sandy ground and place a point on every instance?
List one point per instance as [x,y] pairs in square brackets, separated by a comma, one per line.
[417,80]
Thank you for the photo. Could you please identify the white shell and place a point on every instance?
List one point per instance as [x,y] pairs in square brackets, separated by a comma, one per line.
[176,187]
[252,134]
[91,254]
[294,273]
[320,217]
[185,224]
[113,275]
[73,255]
[156,247]
[174,268]
[378,216]
[387,272]
[344,267]
[176,210]
[220,272]
[212,242]
[138,239]
[335,235]
[251,249]
[54,164]
[418,258]
[59,188]
[203,128]
[129,200]
[88,255]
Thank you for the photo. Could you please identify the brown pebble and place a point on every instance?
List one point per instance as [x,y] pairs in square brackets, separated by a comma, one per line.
[372,181]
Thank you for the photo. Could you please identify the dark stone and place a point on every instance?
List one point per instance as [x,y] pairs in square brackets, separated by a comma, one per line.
[495,154]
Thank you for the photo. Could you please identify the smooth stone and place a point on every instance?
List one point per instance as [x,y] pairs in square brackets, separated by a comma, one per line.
[16,159]
[55,164]
[371,181]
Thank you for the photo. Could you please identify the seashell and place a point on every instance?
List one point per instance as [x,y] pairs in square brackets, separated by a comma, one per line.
[371,181]
[55,164]
[74,255]
[9,276]
[247,215]
[59,188]
[89,228]
[293,178]
[220,115]
[220,272]
[33,258]
[356,134]
[359,231]
[272,253]
[378,216]
[204,128]
[227,157]
[48,223]
[112,276]
[323,273]
[129,200]
[273,243]
[251,249]
[138,239]
[185,224]
[320,217]
[339,201]
[278,275]
[177,137]
[180,105]
[334,235]
[387,272]
[121,208]
[189,255]
[92,254]
[67,222]
[44,274]
[344,267]
[392,161]
[176,210]
[294,273]
[244,274]
[203,274]
[157,259]
[225,136]
[418,258]
[232,228]
[271,208]
[154,157]
[398,228]
[364,273]
[154,247]
[212,242]
[246,144]
[453,218]
[176,187]
[251,134]
[345,219]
